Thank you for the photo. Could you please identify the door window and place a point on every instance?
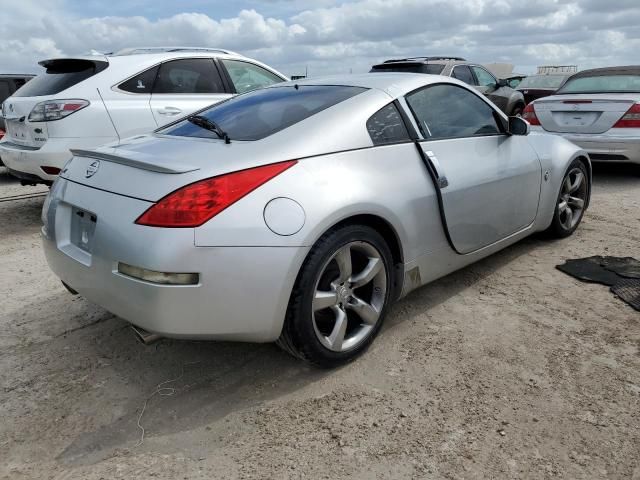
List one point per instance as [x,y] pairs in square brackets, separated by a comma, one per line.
[141,83]
[485,79]
[247,76]
[386,126]
[188,75]
[5,91]
[450,111]
[463,73]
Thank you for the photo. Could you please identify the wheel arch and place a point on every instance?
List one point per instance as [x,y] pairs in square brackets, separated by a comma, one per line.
[389,234]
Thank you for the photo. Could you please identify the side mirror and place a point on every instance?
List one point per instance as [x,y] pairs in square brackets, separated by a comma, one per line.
[502,83]
[518,126]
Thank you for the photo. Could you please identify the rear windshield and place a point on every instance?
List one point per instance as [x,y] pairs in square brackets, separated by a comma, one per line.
[261,113]
[602,84]
[431,68]
[60,75]
[542,81]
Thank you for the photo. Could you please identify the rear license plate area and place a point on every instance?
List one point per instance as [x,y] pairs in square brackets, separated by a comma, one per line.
[17,131]
[83,227]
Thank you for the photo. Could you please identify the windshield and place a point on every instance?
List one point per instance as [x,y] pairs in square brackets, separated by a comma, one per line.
[261,113]
[542,81]
[602,84]
[432,68]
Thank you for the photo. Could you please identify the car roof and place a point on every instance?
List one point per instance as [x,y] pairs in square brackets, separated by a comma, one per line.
[597,72]
[17,75]
[393,83]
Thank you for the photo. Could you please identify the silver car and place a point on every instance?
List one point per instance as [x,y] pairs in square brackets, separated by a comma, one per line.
[299,212]
[598,109]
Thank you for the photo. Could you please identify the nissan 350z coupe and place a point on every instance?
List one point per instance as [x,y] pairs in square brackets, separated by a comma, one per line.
[299,212]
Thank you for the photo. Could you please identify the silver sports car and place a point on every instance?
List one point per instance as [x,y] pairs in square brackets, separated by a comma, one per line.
[298,213]
[598,109]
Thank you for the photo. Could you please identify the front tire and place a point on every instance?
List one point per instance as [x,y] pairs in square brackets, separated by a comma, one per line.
[340,298]
[571,202]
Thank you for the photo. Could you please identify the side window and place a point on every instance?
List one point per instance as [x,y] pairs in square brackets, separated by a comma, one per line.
[386,126]
[141,83]
[450,111]
[463,73]
[247,76]
[188,75]
[5,91]
[485,79]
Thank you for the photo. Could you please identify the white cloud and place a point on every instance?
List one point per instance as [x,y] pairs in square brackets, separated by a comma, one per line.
[346,37]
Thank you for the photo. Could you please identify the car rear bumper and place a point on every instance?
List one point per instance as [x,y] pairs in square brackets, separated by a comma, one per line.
[242,293]
[29,161]
[606,148]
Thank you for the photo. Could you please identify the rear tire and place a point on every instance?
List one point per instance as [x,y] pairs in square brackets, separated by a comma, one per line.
[571,201]
[517,110]
[340,298]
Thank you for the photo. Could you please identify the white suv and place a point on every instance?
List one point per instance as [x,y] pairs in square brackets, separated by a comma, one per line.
[83,102]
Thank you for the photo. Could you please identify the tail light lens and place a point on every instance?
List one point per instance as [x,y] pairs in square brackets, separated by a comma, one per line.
[51,170]
[529,114]
[195,204]
[1,133]
[631,119]
[55,109]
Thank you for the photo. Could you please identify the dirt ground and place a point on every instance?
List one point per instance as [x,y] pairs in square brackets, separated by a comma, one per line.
[506,369]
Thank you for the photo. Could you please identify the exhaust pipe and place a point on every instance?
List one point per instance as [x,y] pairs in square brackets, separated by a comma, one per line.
[145,337]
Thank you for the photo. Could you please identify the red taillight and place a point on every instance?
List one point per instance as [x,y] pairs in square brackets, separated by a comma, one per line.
[51,170]
[631,119]
[1,133]
[195,204]
[529,114]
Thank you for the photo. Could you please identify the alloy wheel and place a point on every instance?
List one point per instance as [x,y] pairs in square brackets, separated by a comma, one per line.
[349,296]
[572,198]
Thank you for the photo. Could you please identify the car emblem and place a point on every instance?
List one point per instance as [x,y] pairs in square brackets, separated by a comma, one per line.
[92,169]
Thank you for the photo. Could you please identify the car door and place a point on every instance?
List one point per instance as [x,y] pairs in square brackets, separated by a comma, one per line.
[489,181]
[487,84]
[246,76]
[128,103]
[183,86]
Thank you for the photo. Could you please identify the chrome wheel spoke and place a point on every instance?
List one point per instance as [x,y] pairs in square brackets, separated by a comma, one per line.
[365,311]
[323,299]
[343,259]
[575,202]
[577,182]
[569,218]
[562,206]
[336,338]
[365,276]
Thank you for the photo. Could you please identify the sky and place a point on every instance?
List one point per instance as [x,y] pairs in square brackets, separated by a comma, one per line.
[329,37]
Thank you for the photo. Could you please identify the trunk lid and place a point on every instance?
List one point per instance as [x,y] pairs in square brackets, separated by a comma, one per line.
[583,113]
[60,75]
[149,167]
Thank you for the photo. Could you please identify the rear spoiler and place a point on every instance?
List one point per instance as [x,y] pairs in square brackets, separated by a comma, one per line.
[137,163]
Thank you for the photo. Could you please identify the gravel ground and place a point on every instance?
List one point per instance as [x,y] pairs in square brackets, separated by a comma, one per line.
[506,369]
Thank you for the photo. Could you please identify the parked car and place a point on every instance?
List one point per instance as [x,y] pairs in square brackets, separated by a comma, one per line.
[598,109]
[275,216]
[539,86]
[514,80]
[506,98]
[9,83]
[83,102]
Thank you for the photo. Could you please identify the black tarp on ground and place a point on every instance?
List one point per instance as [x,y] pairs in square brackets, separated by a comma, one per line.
[622,274]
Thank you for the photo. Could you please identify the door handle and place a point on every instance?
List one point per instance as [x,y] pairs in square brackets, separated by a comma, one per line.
[169,111]
[441,177]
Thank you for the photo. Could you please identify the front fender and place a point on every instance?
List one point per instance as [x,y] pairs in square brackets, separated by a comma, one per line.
[556,154]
